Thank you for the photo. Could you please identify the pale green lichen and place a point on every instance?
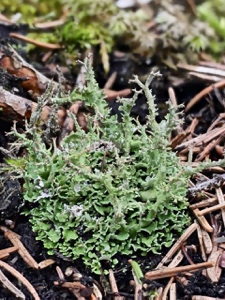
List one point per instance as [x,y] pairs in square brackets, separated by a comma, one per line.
[116,189]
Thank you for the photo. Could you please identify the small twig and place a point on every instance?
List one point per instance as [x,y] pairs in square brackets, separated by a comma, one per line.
[200,239]
[10,235]
[4,253]
[173,291]
[202,221]
[187,255]
[11,287]
[176,246]
[204,203]
[113,285]
[166,290]
[209,148]
[109,83]
[216,181]
[211,209]
[35,42]
[221,201]
[203,93]
[204,298]
[21,278]
[202,139]
[166,272]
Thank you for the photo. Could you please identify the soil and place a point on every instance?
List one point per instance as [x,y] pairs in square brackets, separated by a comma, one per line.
[11,190]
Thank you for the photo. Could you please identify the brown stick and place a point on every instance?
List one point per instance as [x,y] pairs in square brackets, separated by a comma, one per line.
[177,245]
[211,209]
[11,287]
[4,253]
[35,42]
[203,93]
[113,285]
[10,235]
[21,278]
[167,272]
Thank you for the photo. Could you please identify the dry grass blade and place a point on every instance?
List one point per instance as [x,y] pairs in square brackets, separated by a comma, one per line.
[11,287]
[176,246]
[21,278]
[203,70]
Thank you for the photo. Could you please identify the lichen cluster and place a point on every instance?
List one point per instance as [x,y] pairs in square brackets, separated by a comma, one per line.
[116,189]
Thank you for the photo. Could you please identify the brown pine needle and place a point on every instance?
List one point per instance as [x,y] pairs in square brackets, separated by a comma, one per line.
[21,278]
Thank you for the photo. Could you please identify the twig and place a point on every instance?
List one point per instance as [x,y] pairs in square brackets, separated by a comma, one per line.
[166,290]
[200,239]
[216,181]
[204,298]
[173,291]
[109,83]
[21,278]
[10,235]
[204,203]
[211,209]
[176,246]
[187,255]
[35,42]
[11,287]
[203,93]
[4,253]
[202,221]
[220,198]
[166,272]
[113,285]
